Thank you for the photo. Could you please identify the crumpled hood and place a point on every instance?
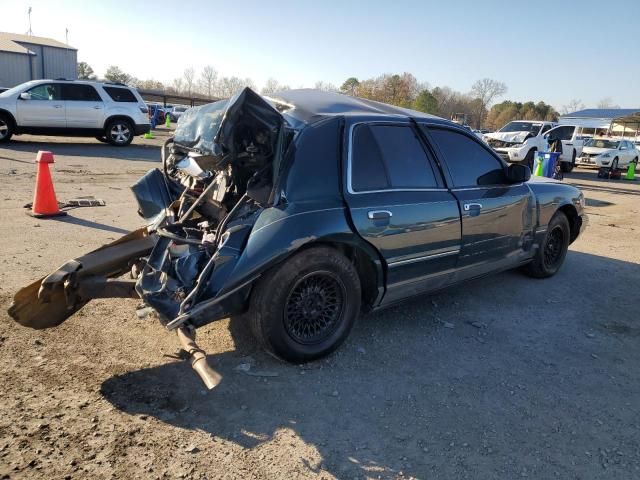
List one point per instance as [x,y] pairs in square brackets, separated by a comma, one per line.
[515,137]
[597,150]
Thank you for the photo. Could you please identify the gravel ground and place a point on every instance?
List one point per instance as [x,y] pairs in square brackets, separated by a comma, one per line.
[507,377]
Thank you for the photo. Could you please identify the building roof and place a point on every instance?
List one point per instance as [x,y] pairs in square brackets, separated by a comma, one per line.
[603,113]
[12,42]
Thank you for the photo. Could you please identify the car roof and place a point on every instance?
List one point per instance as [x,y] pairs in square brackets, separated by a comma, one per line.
[310,106]
[80,82]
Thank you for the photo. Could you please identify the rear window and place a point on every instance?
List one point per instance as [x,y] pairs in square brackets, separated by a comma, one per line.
[389,157]
[80,93]
[121,94]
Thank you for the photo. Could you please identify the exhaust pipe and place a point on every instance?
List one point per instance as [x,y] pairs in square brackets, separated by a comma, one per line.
[209,376]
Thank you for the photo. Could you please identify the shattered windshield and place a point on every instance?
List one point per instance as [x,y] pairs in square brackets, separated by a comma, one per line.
[522,127]
[199,126]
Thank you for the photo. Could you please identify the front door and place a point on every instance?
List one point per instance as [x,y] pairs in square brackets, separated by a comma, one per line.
[497,217]
[43,108]
[85,108]
[398,202]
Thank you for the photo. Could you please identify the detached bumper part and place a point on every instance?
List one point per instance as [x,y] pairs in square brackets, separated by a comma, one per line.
[51,300]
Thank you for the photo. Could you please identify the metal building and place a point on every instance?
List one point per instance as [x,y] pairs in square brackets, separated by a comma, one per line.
[621,122]
[25,57]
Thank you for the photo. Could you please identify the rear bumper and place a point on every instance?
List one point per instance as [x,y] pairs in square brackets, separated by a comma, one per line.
[141,129]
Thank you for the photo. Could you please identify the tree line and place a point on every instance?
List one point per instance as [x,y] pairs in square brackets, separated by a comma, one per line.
[478,106]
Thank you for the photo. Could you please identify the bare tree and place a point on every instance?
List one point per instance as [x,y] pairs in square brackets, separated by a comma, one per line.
[607,102]
[229,86]
[177,85]
[208,79]
[487,90]
[272,86]
[325,86]
[574,105]
[189,79]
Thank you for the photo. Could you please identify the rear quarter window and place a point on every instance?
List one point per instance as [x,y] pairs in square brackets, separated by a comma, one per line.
[389,157]
[121,94]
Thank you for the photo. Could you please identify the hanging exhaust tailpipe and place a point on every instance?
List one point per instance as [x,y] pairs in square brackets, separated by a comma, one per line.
[209,376]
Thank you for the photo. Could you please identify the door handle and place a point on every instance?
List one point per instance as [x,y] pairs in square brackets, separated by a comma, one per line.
[97,107]
[57,106]
[569,144]
[472,206]
[379,214]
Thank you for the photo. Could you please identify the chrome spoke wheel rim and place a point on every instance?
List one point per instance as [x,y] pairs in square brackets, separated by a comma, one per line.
[4,128]
[314,307]
[120,133]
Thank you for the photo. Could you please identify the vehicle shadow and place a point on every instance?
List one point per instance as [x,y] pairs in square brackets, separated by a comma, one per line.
[90,224]
[463,384]
[140,152]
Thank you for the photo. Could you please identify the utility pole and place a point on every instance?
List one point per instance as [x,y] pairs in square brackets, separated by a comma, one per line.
[66,36]
[30,32]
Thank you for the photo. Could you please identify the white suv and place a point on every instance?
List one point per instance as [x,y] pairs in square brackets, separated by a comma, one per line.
[518,141]
[113,113]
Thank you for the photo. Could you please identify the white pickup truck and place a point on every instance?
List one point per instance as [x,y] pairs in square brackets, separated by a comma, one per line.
[518,141]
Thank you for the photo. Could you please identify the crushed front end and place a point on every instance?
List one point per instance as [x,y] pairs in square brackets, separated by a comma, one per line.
[218,175]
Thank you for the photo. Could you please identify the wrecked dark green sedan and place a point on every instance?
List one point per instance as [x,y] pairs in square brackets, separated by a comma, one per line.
[301,210]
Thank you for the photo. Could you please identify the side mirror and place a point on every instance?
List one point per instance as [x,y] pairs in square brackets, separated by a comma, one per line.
[25,96]
[517,173]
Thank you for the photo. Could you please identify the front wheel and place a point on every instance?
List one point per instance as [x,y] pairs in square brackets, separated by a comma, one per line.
[553,250]
[119,133]
[304,309]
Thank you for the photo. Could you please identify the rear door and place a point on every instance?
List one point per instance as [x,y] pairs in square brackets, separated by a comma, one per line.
[85,108]
[45,108]
[497,217]
[398,202]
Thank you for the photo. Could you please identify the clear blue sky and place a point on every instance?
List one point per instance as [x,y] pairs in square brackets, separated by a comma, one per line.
[543,50]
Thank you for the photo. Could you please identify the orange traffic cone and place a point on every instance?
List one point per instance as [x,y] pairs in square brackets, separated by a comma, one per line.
[44,198]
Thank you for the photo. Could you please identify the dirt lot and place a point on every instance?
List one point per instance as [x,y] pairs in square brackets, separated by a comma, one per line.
[507,377]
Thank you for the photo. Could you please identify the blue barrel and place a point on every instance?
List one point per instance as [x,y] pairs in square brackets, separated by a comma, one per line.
[548,160]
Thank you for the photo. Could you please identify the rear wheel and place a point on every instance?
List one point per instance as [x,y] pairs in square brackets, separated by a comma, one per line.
[6,128]
[119,132]
[305,308]
[553,250]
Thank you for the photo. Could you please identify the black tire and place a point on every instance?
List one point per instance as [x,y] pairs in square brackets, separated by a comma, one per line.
[528,160]
[305,308]
[119,132]
[551,254]
[102,138]
[568,167]
[6,128]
